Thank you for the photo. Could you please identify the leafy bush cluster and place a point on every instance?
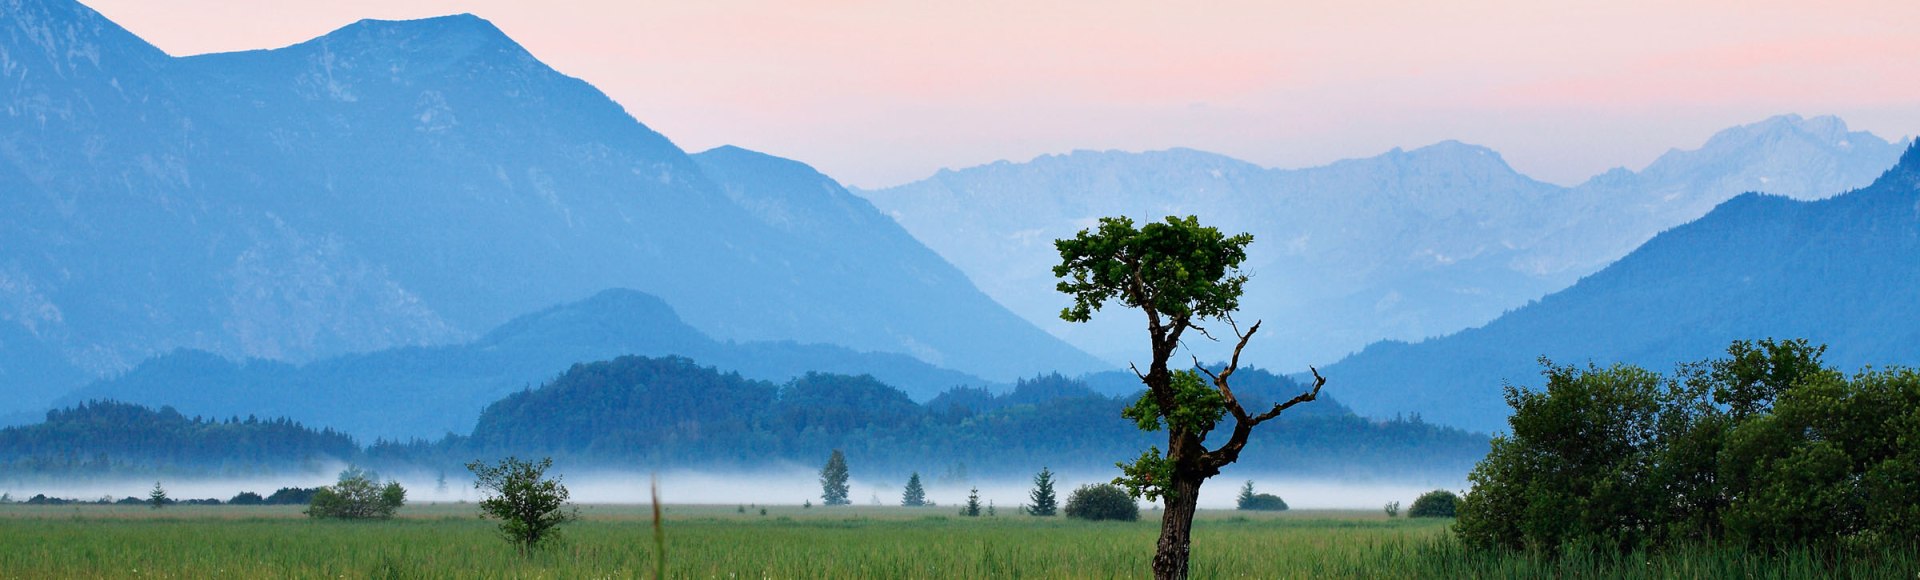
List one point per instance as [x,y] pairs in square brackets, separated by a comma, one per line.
[1766,448]
[1102,502]
[357,496]
[1438,503]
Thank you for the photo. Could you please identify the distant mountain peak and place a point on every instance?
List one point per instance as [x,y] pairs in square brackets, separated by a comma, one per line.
[1825,130]
[441,38]
[69,36]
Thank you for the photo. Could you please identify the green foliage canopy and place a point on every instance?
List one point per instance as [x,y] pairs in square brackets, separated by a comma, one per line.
[1176,268]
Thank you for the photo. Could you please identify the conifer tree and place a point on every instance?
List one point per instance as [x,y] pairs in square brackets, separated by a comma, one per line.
[158,497]
[916,495]
[972,509]
[1044,502]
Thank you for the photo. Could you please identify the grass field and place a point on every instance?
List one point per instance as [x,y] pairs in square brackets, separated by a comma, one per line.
[450,541]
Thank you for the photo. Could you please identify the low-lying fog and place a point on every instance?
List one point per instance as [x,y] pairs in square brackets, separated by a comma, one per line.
[768,487]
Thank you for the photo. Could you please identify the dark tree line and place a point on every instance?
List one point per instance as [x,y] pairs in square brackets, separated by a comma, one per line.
[670,410]
[106,437]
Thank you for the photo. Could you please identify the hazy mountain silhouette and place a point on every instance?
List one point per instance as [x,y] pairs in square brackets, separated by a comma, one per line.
[409,183]
[1840,271]
[1405,245]
[429,391]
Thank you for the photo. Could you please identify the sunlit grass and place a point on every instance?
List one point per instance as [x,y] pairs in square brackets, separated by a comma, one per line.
[449,540]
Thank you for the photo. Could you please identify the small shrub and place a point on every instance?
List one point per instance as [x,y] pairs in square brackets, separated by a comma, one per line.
[1393,509]
[1102,502]
[1438,503]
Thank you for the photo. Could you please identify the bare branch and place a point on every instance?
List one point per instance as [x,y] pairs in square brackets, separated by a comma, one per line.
[1136,372]
[1203,368]
[1203,332]
[1318,381]
[1220,380]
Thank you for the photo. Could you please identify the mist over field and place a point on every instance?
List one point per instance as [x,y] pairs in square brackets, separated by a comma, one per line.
[789,487]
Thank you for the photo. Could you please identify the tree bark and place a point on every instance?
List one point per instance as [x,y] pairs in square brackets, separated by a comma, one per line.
[1176,527]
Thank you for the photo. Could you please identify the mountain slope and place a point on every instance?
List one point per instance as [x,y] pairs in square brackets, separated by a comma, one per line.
[1405,245]
[407,184]
[1839,271]
[429,391]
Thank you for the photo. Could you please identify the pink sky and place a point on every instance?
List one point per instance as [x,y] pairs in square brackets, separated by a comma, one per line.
[880,93]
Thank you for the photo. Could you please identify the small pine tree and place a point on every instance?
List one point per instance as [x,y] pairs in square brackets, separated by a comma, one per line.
[1246,495]
[990,508]
[915,496]
[1044,502]
[833,480]
[972,509]
[158,497]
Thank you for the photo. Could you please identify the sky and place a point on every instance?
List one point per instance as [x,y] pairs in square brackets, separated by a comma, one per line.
[878,93]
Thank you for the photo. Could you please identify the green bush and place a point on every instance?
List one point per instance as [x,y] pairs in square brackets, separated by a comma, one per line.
[1767,448]
[1438,503]
[357,497]
[1102,502]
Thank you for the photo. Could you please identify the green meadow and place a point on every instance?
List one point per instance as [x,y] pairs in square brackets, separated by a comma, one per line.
[616,541]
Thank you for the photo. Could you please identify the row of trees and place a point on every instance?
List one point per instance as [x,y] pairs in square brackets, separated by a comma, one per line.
[672,411]
[1767,448]
[108,437]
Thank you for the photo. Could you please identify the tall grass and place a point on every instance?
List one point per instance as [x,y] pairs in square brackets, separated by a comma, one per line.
[449,541]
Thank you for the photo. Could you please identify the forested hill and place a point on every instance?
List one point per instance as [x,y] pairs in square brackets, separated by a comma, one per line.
[428,392]
[406,183]
[108,438]
[1840,271]
[674,412]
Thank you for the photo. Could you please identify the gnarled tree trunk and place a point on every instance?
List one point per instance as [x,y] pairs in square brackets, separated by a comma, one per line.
[1176,528]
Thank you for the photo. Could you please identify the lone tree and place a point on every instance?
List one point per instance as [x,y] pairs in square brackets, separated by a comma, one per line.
[530,506]
[833,480]
[1044,503]
[158,497]
[1179,274]
[915,496]
[972,509]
